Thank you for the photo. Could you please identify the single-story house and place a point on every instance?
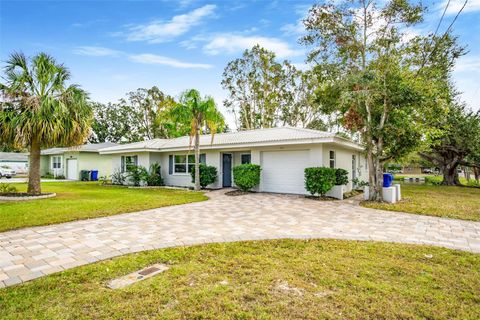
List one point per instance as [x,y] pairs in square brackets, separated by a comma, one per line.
[68,162]
[283,153]
[17,161]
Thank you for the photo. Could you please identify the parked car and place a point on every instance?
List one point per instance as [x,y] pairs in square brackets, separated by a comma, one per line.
[7,172]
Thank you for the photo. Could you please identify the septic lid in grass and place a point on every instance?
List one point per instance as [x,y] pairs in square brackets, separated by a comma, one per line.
[137,276]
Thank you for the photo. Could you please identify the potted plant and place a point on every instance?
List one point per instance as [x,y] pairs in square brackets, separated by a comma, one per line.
[341,180]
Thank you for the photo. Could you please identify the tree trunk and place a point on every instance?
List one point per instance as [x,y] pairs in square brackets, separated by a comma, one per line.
[450,175]
[34,168]
[476,172]
[197,159]
[375,178]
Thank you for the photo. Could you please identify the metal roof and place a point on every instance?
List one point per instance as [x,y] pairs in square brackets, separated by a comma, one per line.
[13,156]
[249,137]
[89,147]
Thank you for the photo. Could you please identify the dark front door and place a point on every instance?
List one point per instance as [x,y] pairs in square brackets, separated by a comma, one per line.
[227,169]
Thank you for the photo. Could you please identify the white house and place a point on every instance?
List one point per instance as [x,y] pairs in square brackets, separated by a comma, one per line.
[15,160]
[68,162]
[283,153]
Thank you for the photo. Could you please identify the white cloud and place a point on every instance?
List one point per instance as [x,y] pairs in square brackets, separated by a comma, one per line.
[161,31]
[232,43]
[456,5]
[293,29]
[96,51]
[468,64]
[162,60]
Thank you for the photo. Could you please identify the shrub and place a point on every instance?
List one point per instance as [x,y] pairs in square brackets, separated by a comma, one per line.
[48,175]
[138,174]
[319,180]
[341,177]
[60,177]
[208,175]
[118,178]
[154,177]
[7,188]
[435,180]
[246,176]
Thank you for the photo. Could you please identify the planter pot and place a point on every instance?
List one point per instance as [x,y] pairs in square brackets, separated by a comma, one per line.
[366,193]
[336,192]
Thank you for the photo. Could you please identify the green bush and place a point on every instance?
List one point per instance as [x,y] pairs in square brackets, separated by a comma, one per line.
[319,180]
[341,177]
[246,176]
[208,175]
[434,180]
[7,188]
[118,178]
[154,177]
[138,174]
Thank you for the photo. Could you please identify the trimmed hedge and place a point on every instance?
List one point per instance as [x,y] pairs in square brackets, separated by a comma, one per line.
[319,180]
[208,175]
[341,177]
[246,176]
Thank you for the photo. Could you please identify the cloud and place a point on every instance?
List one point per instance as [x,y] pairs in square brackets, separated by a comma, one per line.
[96,51]
[293,29]
[149,58]
[233,43]
[456,5]
[162,31]
[469,63]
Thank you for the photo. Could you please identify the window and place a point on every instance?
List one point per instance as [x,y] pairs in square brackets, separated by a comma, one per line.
[184,163]
[56,162]
[332,159]
[128,162]
[246,158]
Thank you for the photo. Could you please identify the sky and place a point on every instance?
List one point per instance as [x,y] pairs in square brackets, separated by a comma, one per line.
[114,47]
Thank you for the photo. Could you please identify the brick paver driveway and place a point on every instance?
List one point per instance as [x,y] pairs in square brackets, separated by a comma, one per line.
[33,252]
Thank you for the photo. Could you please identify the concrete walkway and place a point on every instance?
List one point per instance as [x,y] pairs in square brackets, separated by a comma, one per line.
[34,252]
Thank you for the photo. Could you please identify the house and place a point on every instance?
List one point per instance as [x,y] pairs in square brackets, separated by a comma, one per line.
[283,153]
[68,162]
[15,160]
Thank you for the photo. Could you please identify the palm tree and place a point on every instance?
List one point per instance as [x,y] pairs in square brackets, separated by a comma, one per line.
[38,109]
[202,115]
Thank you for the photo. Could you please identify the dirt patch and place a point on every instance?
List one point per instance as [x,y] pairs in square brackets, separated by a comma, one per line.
[319,198]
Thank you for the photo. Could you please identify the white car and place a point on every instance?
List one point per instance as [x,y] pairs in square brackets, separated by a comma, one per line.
[7,172]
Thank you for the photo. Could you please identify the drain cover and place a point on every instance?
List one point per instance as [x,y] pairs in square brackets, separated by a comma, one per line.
[136,276]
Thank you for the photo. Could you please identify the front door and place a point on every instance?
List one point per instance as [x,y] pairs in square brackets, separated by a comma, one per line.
[72,169]
[227,170]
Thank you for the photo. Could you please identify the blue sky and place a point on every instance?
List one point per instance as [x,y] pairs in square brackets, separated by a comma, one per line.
[113,47]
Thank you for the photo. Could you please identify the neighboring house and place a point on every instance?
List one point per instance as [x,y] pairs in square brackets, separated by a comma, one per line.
[283,153]
[15,160]
[68,162]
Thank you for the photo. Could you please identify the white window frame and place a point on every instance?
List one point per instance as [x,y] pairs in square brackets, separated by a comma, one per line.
[330,159]
[135,162]
[53,162]
[245,154]
[187,163]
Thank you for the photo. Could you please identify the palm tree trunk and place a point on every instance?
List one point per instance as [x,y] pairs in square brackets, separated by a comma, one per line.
[197,159]
[34,168]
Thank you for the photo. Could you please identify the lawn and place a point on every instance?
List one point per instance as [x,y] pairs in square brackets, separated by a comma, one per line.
[440,201]
[284,279]
[82,200]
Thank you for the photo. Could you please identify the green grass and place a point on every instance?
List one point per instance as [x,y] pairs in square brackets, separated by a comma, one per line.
[440,201]
[284,279]
[82,200]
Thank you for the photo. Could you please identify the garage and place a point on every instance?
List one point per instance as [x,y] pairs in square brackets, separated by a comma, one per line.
[283,171]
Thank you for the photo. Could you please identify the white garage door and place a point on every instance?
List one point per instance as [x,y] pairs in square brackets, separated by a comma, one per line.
[72,169]
[283,171]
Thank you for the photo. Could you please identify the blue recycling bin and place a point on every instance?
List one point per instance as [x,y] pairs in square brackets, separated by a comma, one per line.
[387,180]
[94,175]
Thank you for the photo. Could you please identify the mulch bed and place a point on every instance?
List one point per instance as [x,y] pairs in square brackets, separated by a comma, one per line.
[235,193]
